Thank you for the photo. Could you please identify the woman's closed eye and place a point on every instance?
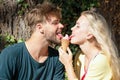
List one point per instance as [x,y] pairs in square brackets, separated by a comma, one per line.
[77,26]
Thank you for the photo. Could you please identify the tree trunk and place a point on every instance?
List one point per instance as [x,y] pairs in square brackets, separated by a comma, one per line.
[11,17]
[110,9]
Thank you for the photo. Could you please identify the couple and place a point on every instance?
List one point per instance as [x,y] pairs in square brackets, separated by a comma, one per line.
[34,59]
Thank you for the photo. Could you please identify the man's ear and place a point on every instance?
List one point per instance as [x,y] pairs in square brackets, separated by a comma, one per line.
[39,27]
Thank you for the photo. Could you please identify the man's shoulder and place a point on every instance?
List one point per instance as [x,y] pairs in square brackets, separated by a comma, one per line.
[13,49]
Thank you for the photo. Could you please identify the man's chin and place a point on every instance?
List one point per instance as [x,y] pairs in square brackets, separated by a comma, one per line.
[55,41]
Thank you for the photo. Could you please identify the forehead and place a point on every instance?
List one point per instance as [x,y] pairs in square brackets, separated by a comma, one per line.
[53,18]
[82,19]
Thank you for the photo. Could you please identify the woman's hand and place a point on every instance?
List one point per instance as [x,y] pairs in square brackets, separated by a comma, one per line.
[65,58]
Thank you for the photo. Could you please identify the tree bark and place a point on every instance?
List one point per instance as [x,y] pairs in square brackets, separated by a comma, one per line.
[110,9]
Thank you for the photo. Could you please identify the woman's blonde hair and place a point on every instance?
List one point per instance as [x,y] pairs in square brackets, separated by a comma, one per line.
[99,28]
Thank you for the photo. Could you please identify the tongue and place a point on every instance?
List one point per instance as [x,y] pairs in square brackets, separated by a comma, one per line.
[60,35]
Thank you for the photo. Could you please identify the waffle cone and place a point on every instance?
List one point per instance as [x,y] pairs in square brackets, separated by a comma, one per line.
[64,44]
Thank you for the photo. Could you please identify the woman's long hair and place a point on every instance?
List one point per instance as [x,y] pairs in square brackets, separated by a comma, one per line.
[99,28]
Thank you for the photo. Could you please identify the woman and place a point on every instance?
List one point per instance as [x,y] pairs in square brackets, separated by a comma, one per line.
[100,57]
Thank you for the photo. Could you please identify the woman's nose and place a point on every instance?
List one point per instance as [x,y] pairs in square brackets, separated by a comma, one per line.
[73,28]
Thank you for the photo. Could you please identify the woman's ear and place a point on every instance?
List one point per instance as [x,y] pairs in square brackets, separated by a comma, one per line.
[89,36]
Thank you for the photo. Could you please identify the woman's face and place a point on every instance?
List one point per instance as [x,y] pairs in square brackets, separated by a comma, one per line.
[80,31]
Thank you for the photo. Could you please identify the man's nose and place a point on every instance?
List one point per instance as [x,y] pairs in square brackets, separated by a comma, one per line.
[61,25]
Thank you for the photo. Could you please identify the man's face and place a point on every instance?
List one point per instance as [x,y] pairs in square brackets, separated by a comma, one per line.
[53,29]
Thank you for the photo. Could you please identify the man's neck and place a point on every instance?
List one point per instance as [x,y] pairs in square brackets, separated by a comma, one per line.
[38,49]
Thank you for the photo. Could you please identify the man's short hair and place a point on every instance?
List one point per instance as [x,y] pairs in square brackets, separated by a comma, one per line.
[41,12]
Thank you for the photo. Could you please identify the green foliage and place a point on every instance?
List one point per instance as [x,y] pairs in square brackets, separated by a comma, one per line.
[1,1]
[66,77]
[22,7]
[71,10]
[86,5]
[7,40]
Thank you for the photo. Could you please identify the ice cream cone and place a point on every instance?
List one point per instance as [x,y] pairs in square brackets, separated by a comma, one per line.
[65,43]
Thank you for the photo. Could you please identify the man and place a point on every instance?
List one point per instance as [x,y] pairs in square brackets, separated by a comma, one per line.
[34,59]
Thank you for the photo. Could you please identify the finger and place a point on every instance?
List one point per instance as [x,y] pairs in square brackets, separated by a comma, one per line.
[69,51]
[61,52]
[59,49]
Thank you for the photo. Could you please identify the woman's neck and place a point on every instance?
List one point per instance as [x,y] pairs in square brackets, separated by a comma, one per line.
[90,50]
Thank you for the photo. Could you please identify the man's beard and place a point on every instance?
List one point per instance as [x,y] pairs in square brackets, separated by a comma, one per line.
[53,41]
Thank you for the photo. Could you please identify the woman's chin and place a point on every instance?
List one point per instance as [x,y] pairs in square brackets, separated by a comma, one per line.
[73,42]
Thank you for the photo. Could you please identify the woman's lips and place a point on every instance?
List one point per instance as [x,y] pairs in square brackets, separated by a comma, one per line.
[71,36]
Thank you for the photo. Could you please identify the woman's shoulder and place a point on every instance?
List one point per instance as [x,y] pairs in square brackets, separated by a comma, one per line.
[100,58]
[101,61]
